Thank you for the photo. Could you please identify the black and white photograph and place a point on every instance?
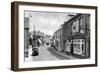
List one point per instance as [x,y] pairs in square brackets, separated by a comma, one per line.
[53,36]
[56,36]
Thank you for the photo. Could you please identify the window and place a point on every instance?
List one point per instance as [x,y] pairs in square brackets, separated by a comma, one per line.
[81,25]
[75,26]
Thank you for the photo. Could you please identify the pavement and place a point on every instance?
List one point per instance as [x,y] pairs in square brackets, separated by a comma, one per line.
[62,54]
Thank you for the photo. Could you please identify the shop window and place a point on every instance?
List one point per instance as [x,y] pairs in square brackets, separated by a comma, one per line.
[76,47]
[81,31]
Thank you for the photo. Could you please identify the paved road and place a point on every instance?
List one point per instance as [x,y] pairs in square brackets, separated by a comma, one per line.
[44,55]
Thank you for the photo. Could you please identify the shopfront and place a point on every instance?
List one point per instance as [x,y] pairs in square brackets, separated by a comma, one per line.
[76,45]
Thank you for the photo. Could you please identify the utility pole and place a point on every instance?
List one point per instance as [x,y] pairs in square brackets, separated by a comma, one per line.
[34,32]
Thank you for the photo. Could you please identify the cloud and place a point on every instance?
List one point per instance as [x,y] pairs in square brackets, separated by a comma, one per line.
[47,22]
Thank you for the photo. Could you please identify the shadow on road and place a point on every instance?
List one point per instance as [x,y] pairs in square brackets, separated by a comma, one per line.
[56,54]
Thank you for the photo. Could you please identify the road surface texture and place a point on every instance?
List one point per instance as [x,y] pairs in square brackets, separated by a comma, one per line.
[45,54]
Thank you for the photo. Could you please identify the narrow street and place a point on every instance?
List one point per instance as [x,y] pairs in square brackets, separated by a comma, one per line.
[44,55]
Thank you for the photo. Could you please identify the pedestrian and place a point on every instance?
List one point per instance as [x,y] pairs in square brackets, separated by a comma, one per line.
[38,43]
[71,47]
[30,41]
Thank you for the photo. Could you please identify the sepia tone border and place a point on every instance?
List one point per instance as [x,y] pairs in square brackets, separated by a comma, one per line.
[14,35]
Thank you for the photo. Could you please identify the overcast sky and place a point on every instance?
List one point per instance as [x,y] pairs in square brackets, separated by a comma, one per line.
[47,22]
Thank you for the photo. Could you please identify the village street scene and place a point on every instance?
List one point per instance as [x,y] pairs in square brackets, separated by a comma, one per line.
[50,36]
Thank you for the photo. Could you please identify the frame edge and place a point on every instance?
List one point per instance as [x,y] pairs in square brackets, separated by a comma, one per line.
[14,38]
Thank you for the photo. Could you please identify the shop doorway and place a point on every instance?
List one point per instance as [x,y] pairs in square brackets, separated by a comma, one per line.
[71,48]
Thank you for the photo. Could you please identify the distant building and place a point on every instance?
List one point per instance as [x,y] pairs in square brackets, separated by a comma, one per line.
[58,39]
[42,36]
[37,35]
[76,36]
[47,39]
